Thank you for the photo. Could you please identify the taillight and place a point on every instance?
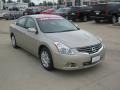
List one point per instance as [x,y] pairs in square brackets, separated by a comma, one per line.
[78,13]
[105,12]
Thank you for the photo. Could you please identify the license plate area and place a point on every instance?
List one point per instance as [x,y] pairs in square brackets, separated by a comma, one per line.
[72,13]
[95,59]
[97,12]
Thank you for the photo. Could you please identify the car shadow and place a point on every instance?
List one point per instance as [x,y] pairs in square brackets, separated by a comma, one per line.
[58,72]
[102,22]
[80,72]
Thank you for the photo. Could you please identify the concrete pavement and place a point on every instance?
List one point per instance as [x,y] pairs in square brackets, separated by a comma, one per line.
[19,70]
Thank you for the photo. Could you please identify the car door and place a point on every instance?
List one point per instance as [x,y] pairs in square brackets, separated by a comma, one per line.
[30,38]
[20,31]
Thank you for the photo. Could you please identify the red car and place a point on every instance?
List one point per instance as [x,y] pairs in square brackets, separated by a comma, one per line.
[48,11]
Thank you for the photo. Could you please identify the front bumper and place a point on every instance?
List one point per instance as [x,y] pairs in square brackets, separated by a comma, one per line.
[78,61]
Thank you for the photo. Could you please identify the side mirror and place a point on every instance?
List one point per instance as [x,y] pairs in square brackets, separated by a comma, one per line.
[32,30]
[77,26]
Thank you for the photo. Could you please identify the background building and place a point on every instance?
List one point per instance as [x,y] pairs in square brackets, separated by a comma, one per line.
[1,4]
[72,2]
[19,5]
[80,2]
[90,2]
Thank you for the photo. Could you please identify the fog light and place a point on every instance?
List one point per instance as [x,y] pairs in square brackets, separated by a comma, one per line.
[70,65]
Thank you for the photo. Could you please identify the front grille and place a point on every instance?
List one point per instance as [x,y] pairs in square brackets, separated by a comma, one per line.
[90,49]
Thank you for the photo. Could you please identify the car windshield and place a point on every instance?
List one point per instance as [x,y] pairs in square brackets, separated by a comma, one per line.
[75,8]
[61,10]
[55,25]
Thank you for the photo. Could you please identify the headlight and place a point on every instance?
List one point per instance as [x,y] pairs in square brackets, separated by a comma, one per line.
[63,49]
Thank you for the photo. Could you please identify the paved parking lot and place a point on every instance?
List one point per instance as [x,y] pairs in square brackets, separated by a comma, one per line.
[19,70]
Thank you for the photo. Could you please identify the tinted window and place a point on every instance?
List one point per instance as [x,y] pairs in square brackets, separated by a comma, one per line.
[75,8]
[21,22]
[36,10]
[99,7]
[30,23]
[55,25]
[62,10]
[66,10]
[114,6]
[106,6]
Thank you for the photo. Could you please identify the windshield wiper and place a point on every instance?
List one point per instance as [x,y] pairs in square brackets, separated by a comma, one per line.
[61,31]
[68,30]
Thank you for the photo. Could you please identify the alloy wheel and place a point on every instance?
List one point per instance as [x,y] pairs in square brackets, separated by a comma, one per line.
[45,59]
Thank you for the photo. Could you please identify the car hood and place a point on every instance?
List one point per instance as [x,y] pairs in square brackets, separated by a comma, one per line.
[74,39]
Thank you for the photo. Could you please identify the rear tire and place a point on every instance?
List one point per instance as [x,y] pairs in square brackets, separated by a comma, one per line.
[46,59]
[114,19]
[85,18]
[97,21]
[13,41]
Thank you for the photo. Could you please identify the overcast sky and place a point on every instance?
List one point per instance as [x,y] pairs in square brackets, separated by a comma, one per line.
[38,1]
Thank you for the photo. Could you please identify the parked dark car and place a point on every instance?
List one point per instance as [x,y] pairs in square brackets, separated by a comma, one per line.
[80,12]
[48,11]
[62,12]
[31,11]
[109,12]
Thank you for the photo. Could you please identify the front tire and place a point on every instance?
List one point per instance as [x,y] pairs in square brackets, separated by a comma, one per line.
[46,59]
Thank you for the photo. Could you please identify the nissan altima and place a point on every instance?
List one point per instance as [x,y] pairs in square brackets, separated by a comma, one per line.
[57,42]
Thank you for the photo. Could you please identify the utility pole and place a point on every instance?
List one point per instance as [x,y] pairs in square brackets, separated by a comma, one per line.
[21,1]
[53,3]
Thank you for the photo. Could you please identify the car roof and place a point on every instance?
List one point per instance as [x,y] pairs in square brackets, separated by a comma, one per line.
[43,16]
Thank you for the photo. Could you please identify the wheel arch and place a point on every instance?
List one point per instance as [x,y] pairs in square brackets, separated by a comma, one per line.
[114,14]
[11,34]
[43,46]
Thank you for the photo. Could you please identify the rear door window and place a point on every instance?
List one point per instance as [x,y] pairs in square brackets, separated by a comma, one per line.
[30,23]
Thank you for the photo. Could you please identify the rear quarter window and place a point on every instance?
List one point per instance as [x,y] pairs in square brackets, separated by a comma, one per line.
[75,8]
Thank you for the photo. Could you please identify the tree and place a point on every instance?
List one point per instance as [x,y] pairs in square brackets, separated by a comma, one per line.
[9,1]
[60,2]
[40,4]
[26,1]
[49,3]
[31,4]
[44,3]
[18,0]
[4,1]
